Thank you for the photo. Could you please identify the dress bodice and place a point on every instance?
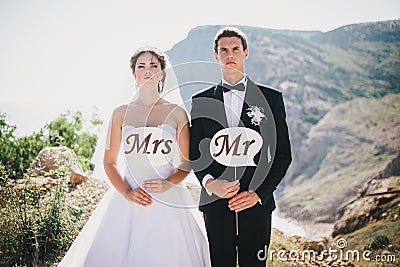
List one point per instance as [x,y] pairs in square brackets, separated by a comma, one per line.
[163,126]
[148,152]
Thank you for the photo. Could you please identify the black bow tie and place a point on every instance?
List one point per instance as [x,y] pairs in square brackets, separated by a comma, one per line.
[228,87]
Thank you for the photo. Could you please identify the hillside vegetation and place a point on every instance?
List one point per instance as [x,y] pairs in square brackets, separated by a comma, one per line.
[348,147]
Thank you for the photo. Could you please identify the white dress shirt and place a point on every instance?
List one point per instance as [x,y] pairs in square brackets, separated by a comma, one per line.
[233,102]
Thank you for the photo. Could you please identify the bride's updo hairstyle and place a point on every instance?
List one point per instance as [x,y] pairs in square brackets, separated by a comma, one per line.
[162,58]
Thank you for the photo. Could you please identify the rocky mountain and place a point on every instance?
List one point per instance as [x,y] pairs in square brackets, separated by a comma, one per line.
[340,89]
[354,143]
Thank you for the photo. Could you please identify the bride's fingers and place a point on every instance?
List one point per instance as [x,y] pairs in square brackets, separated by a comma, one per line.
[152,181]
[150,184]
[142,201]
[153,184]
[144,195]
[141,197]
[153,188]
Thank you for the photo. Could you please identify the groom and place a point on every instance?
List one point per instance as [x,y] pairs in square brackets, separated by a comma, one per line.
[238,102]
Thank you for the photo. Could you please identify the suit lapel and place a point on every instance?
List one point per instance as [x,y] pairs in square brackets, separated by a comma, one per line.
[220,113]
[255,97]
[251,98]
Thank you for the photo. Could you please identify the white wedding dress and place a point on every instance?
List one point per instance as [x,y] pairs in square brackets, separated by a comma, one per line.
[121,233]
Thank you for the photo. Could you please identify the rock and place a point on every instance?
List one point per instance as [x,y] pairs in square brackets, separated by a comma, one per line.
[50,159]
[371,207]
[312,245]
[77,178]
[356,216]
[385,198]
[324,244]
[383,185]
[45,182]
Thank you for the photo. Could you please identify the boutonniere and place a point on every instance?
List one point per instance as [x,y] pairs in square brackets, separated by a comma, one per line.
[256,114]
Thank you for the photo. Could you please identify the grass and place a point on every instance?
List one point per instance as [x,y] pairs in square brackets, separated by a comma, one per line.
[384,236]
[281,242]
[363,238]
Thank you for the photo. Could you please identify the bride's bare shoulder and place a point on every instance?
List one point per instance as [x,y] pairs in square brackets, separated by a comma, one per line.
[119,113]
[120,110]
[172,106]
[179,112]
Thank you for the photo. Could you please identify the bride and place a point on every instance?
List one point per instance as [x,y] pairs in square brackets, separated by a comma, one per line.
[143,220]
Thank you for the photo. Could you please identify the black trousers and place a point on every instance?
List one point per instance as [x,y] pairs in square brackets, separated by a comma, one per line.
[254,236]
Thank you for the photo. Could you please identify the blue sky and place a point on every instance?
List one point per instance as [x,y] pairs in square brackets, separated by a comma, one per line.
[76,53]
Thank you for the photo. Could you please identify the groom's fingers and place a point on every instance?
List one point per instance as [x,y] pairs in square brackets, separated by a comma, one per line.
[237,200]
[231,184]
[233,190]
[242,201]
[230,189]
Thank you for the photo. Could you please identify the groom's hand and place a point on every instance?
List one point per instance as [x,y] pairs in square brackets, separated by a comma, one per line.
[244,200]
[223,188]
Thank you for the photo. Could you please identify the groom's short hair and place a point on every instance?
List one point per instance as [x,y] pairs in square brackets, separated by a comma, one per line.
[230,32]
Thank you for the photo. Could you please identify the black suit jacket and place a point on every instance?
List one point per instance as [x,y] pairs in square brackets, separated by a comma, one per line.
[208,117]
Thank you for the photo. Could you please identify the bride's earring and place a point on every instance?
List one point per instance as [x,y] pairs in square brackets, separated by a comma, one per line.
[160,86]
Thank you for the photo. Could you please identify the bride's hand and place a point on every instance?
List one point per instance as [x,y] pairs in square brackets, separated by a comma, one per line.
[157,185]
[139,196]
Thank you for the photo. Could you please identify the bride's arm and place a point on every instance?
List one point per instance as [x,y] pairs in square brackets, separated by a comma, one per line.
[184,168]
[182,137]
[110,163]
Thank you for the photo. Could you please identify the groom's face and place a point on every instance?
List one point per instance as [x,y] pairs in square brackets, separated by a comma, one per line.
[231,54]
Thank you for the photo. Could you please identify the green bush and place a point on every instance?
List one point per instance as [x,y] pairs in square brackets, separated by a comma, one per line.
[67,130]
[18,153]
[36,225]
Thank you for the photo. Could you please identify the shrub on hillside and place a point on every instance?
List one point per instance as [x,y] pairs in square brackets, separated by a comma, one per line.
[36,225]
[67,130]
[18,153]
